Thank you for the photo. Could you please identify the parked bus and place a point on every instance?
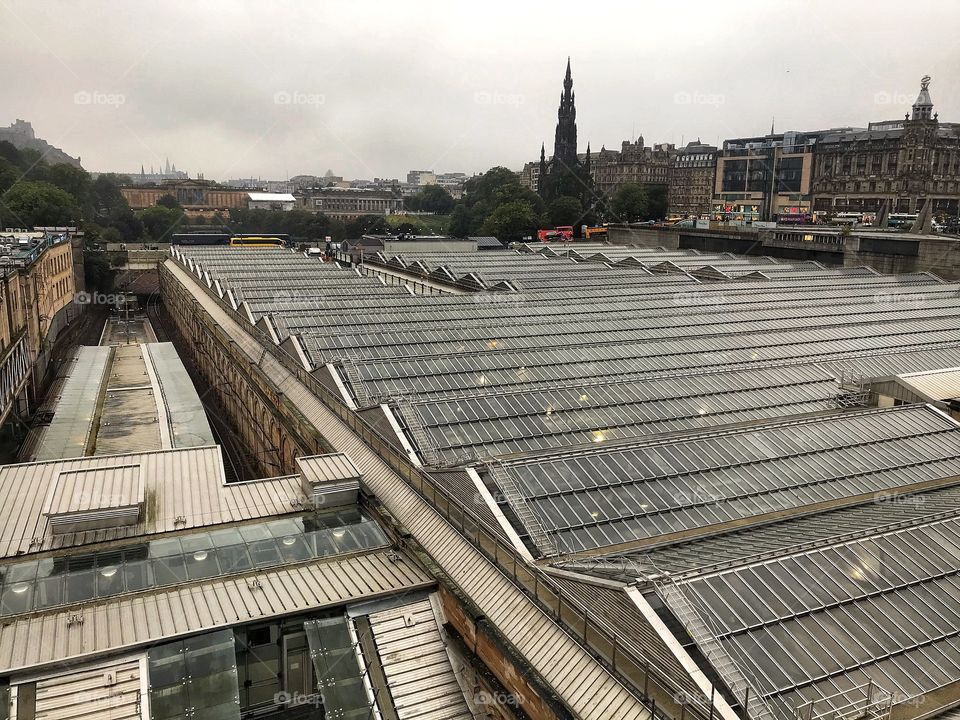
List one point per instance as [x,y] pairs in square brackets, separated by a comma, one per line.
[795,218]
[901,220]
[595,232]
[848,219]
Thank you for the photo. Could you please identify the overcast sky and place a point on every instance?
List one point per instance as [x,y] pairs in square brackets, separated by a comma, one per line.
[373,89]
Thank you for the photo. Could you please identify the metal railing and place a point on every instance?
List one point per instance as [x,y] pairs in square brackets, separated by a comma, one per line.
[862,702]
[584,626]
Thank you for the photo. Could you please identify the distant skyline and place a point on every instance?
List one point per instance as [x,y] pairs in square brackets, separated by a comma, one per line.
[272,90]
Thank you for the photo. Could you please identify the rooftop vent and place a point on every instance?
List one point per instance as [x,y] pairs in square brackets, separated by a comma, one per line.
[95,499]
[329,480]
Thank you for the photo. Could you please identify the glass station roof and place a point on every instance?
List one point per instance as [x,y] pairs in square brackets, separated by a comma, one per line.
[586,500]
[816,626]
[61,580]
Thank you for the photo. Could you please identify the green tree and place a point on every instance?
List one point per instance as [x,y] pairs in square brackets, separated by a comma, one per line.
[629,203]
[485,193]
[367,225]
[656,202]
[511,221]
[98,273]
[564,210]
[30,203]
[161,222]
[437,200]
[111,235]
[168,201]
[111,208]
[461,221]
[9,174]
[73,180]
[633,202]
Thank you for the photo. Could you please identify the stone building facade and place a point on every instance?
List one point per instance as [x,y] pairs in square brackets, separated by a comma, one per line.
[633,163]
[348,203]
[692,172]
[900,163]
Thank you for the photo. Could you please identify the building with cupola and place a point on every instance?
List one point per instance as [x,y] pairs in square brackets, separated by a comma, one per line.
[900,164]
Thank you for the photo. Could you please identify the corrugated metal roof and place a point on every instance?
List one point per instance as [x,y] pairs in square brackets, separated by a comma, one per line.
[185,413]
[415,661]
[579,680]
[183,488]
[135,620]
[104,692]
[68,433]
[334,467]
[95,488]
[935,384]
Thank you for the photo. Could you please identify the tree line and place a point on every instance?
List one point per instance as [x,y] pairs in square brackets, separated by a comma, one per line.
[34,193]
[495,203]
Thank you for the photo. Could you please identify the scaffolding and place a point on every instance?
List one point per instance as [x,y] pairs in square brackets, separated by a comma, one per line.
[863,702]
[853,391]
